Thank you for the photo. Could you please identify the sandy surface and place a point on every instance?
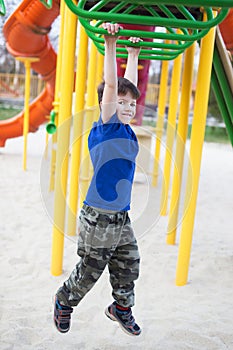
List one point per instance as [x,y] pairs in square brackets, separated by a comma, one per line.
[197,316]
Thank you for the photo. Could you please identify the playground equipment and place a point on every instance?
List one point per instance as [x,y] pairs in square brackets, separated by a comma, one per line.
[159,126]
[183,16]
[182,129]
[30,23]
[196,143]
[47,3]
[143,73]
[200,109]
[51,127]
[225,32]
[27,63]
[66,79]
[185,23]
[2,8]
[171,124]
[222,82]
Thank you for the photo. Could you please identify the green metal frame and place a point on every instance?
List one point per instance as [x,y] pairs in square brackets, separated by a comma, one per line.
[162,13]
[2,8]
[153,18]
[150,50]
[163,46]
[47,3]
[222,92]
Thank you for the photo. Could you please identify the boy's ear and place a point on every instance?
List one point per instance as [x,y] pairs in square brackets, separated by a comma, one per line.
[100,104]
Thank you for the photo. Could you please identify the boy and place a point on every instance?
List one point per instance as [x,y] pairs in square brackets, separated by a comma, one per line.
[106,237]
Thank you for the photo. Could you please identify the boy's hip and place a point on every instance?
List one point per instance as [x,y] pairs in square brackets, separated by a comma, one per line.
[103,229]
[104,215]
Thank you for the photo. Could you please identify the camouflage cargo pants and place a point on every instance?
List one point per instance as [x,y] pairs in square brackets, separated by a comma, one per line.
[105,239]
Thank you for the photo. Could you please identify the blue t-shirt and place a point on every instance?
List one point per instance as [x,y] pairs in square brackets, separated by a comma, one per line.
[113,148]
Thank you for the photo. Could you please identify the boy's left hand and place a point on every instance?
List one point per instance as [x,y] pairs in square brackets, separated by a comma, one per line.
[134,49]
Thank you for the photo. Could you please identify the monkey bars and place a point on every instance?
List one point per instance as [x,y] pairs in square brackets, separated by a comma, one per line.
[182,23]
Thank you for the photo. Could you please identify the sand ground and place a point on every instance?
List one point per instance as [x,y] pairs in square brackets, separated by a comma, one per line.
[198,316]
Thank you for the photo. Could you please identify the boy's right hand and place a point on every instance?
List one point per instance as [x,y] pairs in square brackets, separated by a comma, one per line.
[112,29]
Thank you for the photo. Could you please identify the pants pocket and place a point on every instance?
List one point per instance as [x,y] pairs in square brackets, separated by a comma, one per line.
[86,234]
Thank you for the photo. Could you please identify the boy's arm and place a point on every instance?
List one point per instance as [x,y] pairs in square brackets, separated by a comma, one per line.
[109,99]
[131,71]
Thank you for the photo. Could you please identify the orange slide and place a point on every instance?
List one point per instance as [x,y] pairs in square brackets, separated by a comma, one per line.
[226,29]
[26,33]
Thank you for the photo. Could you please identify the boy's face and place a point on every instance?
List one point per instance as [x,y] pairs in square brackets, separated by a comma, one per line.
[126,108]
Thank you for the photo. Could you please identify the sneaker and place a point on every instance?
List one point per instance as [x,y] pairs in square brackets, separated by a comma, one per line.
[62,316]
[124,318]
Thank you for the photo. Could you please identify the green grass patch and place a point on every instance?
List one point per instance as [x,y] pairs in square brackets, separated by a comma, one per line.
[7,113]
[213,134]
[216,134]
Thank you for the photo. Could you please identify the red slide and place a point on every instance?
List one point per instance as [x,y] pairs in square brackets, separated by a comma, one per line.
[26,33]
[226,29]
[143,74]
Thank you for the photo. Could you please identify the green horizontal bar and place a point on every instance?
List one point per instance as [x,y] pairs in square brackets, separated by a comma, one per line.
[153,45]
[143,44]
[185,12]
[153,35]
[223,82]
[147,34]
[142,19]
[192,3]
[191,28]
[222,105]
[2,8]
[131,32]
[145,54]
[99,4]
[145,57]
[222,92]
[47,3]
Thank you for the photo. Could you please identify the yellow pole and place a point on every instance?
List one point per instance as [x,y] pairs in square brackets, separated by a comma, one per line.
[159,126]
[171,127]
[91,110]
[27,64]
[63,135]
[196,144]
[46,143]
[100,68]
[80,88]
[180,143]
[53,163]
[56,95]
[99,73]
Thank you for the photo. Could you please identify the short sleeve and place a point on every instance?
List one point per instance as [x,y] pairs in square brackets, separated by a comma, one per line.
[112,125]
[112,120]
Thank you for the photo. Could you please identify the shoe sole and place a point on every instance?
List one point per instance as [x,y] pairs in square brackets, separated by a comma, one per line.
[113,318]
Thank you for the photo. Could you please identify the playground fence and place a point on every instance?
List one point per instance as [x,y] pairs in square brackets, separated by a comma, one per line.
[12,85]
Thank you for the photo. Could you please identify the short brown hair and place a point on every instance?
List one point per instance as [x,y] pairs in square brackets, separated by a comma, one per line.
[124,86]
